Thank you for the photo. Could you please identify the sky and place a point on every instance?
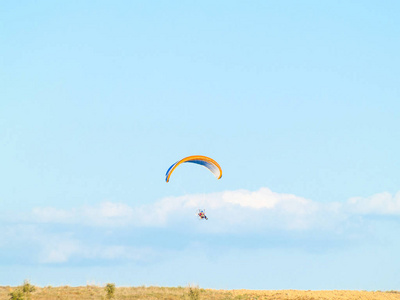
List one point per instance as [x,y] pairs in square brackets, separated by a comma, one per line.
[299,102]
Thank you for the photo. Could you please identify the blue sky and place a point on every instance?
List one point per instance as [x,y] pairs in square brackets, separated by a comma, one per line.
[298,102]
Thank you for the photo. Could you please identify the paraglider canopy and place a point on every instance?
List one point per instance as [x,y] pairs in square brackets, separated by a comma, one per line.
[205,161]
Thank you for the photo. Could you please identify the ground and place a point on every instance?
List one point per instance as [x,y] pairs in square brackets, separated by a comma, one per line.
[183,293]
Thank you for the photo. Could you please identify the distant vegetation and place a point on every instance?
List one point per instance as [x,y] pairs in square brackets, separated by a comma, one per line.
[27,291]
[110,290]
[22,292]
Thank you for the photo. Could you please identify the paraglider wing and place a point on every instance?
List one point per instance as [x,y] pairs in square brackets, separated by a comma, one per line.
[205,161]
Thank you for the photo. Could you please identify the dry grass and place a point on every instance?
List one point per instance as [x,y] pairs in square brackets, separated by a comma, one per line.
[183,293]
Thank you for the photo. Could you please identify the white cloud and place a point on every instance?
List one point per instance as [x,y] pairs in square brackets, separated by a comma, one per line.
[41,245]
[378,204]
[58,250]
[229,211]
[61,250]
[53,215]
[233,212]
[104,214]
[263,198]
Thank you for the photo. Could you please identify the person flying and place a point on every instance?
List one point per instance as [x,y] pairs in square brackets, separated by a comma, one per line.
[202,214]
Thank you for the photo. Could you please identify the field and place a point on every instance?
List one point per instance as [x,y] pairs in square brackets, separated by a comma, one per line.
[182,293]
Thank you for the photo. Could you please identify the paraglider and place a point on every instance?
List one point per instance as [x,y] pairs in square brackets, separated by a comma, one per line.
[204,161]
[202,214]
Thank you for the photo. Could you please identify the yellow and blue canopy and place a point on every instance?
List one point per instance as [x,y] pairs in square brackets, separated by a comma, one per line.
[205,161]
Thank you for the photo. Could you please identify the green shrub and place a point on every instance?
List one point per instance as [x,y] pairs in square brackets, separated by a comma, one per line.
[110,290]
[17,295]
[23,292]
[27,287]
[194,293]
